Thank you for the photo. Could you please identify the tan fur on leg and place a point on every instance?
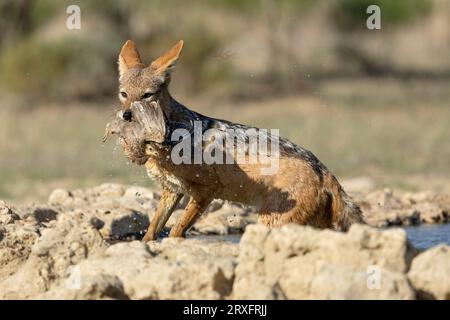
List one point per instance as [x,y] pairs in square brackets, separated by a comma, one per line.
[167,204]
[193,211]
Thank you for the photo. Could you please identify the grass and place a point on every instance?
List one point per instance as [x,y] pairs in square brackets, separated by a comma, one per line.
[58,147]
[383,129]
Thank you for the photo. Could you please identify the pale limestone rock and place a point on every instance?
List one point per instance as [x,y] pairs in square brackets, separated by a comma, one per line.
[296,262]
[70,241]
[430,273]
[59,197]
[95,287]
[180,271]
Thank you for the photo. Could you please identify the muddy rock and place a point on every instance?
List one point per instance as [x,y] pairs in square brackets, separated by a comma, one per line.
[429,273]
[295,262]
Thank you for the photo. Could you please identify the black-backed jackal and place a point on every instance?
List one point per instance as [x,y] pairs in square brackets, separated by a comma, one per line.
[301,189]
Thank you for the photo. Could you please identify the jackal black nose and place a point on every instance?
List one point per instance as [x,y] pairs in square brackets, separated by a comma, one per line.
[127,115]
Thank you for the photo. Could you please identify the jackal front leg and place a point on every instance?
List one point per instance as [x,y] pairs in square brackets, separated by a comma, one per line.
[169,200]
[192,212]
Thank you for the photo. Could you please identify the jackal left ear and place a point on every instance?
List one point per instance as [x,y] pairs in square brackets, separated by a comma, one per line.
[166,63]
[129,58]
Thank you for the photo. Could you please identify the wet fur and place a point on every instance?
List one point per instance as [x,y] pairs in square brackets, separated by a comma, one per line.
[302,191]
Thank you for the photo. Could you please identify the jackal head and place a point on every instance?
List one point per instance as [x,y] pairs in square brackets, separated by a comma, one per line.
[143,94]
[138,83]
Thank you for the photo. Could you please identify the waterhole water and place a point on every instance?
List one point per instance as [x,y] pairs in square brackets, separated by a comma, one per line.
[426,236]
[421,237]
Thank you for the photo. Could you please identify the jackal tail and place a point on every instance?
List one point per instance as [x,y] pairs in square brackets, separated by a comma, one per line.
[345,211]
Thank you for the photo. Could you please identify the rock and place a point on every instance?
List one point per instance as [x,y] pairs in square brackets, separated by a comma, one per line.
[221,218]
[227,219]
[16,241]
[117,211]
[141,193]
[43,214]
[215,205]
[123,223]
[119,207]
[174,218]
[174,271]
[339,282]
[111,190]
[296,262]
[140,199]
[7,215]
[100,286]
[57,250]
[414,218]
[59,197]
[70,241]
[429,273]
[17,236]
[383,198]
[417,197]
[170,248]
[430,212]
[386,208]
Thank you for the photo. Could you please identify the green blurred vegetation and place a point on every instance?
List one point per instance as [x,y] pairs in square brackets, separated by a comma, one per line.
[365,102]
[40,60]
[351,12]
[349,125]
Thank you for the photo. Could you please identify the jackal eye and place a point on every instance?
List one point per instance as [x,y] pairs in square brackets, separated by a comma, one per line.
[147,95]
[123,94]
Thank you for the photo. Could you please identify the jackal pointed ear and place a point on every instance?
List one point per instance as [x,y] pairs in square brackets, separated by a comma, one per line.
[166,63]
[129,58]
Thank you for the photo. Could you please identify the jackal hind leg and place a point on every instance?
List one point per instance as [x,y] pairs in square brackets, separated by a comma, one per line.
[303,209]
[193,211]
[169,200]
[280,208]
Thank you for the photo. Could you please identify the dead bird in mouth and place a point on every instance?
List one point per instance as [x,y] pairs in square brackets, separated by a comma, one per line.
[142,131]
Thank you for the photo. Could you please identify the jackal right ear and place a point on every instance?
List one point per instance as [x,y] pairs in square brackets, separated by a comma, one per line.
[129,58]
[166,63]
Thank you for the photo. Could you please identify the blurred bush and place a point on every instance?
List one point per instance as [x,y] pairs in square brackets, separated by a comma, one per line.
[268,45]
[350,13]
[49,62]
[57,70]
